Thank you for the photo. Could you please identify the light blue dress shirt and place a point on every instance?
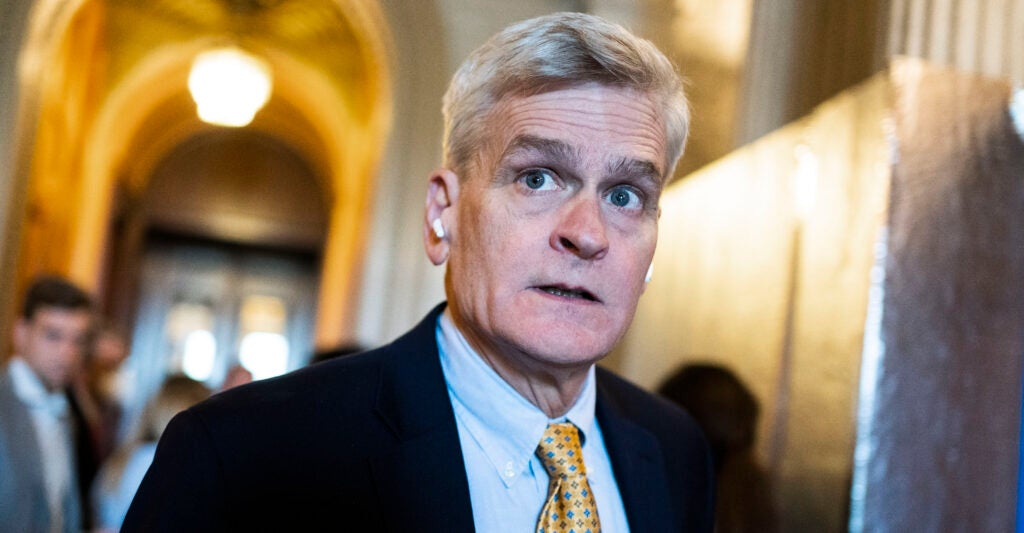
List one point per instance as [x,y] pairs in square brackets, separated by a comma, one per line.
[499,431]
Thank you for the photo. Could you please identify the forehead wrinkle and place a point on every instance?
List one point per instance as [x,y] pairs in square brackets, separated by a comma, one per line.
[639,111]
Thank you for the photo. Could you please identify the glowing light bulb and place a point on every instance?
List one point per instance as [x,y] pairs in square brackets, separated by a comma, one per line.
[229,86]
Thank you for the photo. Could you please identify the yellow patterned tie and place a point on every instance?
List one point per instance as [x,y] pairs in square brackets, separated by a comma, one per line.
[570,506]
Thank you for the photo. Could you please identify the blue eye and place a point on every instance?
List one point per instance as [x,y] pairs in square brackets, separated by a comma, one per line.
[624,197]
[538,180]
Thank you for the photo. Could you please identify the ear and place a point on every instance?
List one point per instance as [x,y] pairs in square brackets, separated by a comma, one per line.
[647,277]
[442,193]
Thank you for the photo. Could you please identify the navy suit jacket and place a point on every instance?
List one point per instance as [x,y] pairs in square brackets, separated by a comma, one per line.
[369,443]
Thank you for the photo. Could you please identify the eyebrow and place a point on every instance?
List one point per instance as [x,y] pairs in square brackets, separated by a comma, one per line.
[635,169]
[554,149]
[551,148]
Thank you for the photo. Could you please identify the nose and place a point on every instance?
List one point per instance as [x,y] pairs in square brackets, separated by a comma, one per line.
[71,351]
[581,230]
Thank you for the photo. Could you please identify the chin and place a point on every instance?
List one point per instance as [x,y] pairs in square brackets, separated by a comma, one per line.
[569,350]
[559,335]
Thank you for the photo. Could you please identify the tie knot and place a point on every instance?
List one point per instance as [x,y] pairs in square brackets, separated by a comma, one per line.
[560,451]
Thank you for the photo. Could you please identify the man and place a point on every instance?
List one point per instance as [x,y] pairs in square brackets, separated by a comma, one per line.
[490,415]
[95,407]
[38,489]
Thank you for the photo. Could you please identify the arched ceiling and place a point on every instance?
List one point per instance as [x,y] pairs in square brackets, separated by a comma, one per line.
[330,107]
[316,32]
[238,185]
[330,82]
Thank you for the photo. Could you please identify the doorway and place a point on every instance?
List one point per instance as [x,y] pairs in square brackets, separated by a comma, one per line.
[205,307]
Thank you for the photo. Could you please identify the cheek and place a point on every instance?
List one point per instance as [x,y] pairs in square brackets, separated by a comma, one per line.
[633,269]
[496,241]
[41,345]
[632,287]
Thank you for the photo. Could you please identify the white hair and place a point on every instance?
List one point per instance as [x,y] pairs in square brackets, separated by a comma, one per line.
[555,52]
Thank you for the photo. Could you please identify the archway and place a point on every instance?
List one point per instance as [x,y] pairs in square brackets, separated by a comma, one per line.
[103,124]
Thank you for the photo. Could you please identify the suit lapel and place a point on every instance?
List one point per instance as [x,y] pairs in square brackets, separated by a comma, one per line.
[638,465]
[423,477]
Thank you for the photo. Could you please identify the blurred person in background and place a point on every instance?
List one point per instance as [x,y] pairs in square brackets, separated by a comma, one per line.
[38,478]
[236,375]
[727,412]
[95,402]
[120,475]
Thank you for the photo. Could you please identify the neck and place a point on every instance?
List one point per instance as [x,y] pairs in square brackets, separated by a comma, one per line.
[553,392]
[34,375]
[552,389]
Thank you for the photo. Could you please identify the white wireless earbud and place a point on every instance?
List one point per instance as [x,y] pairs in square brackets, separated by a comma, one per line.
[650,272]
[438,228]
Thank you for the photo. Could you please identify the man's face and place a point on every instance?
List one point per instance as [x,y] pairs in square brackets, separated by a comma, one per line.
[109,351]
[554,232]
[53,342]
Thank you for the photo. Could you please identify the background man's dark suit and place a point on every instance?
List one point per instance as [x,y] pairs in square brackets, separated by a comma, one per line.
[369,443]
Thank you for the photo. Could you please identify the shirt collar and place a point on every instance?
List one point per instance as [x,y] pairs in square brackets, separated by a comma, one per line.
[505,424]
[31,391]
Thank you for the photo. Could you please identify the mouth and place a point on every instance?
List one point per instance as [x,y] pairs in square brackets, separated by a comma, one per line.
[568,292]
